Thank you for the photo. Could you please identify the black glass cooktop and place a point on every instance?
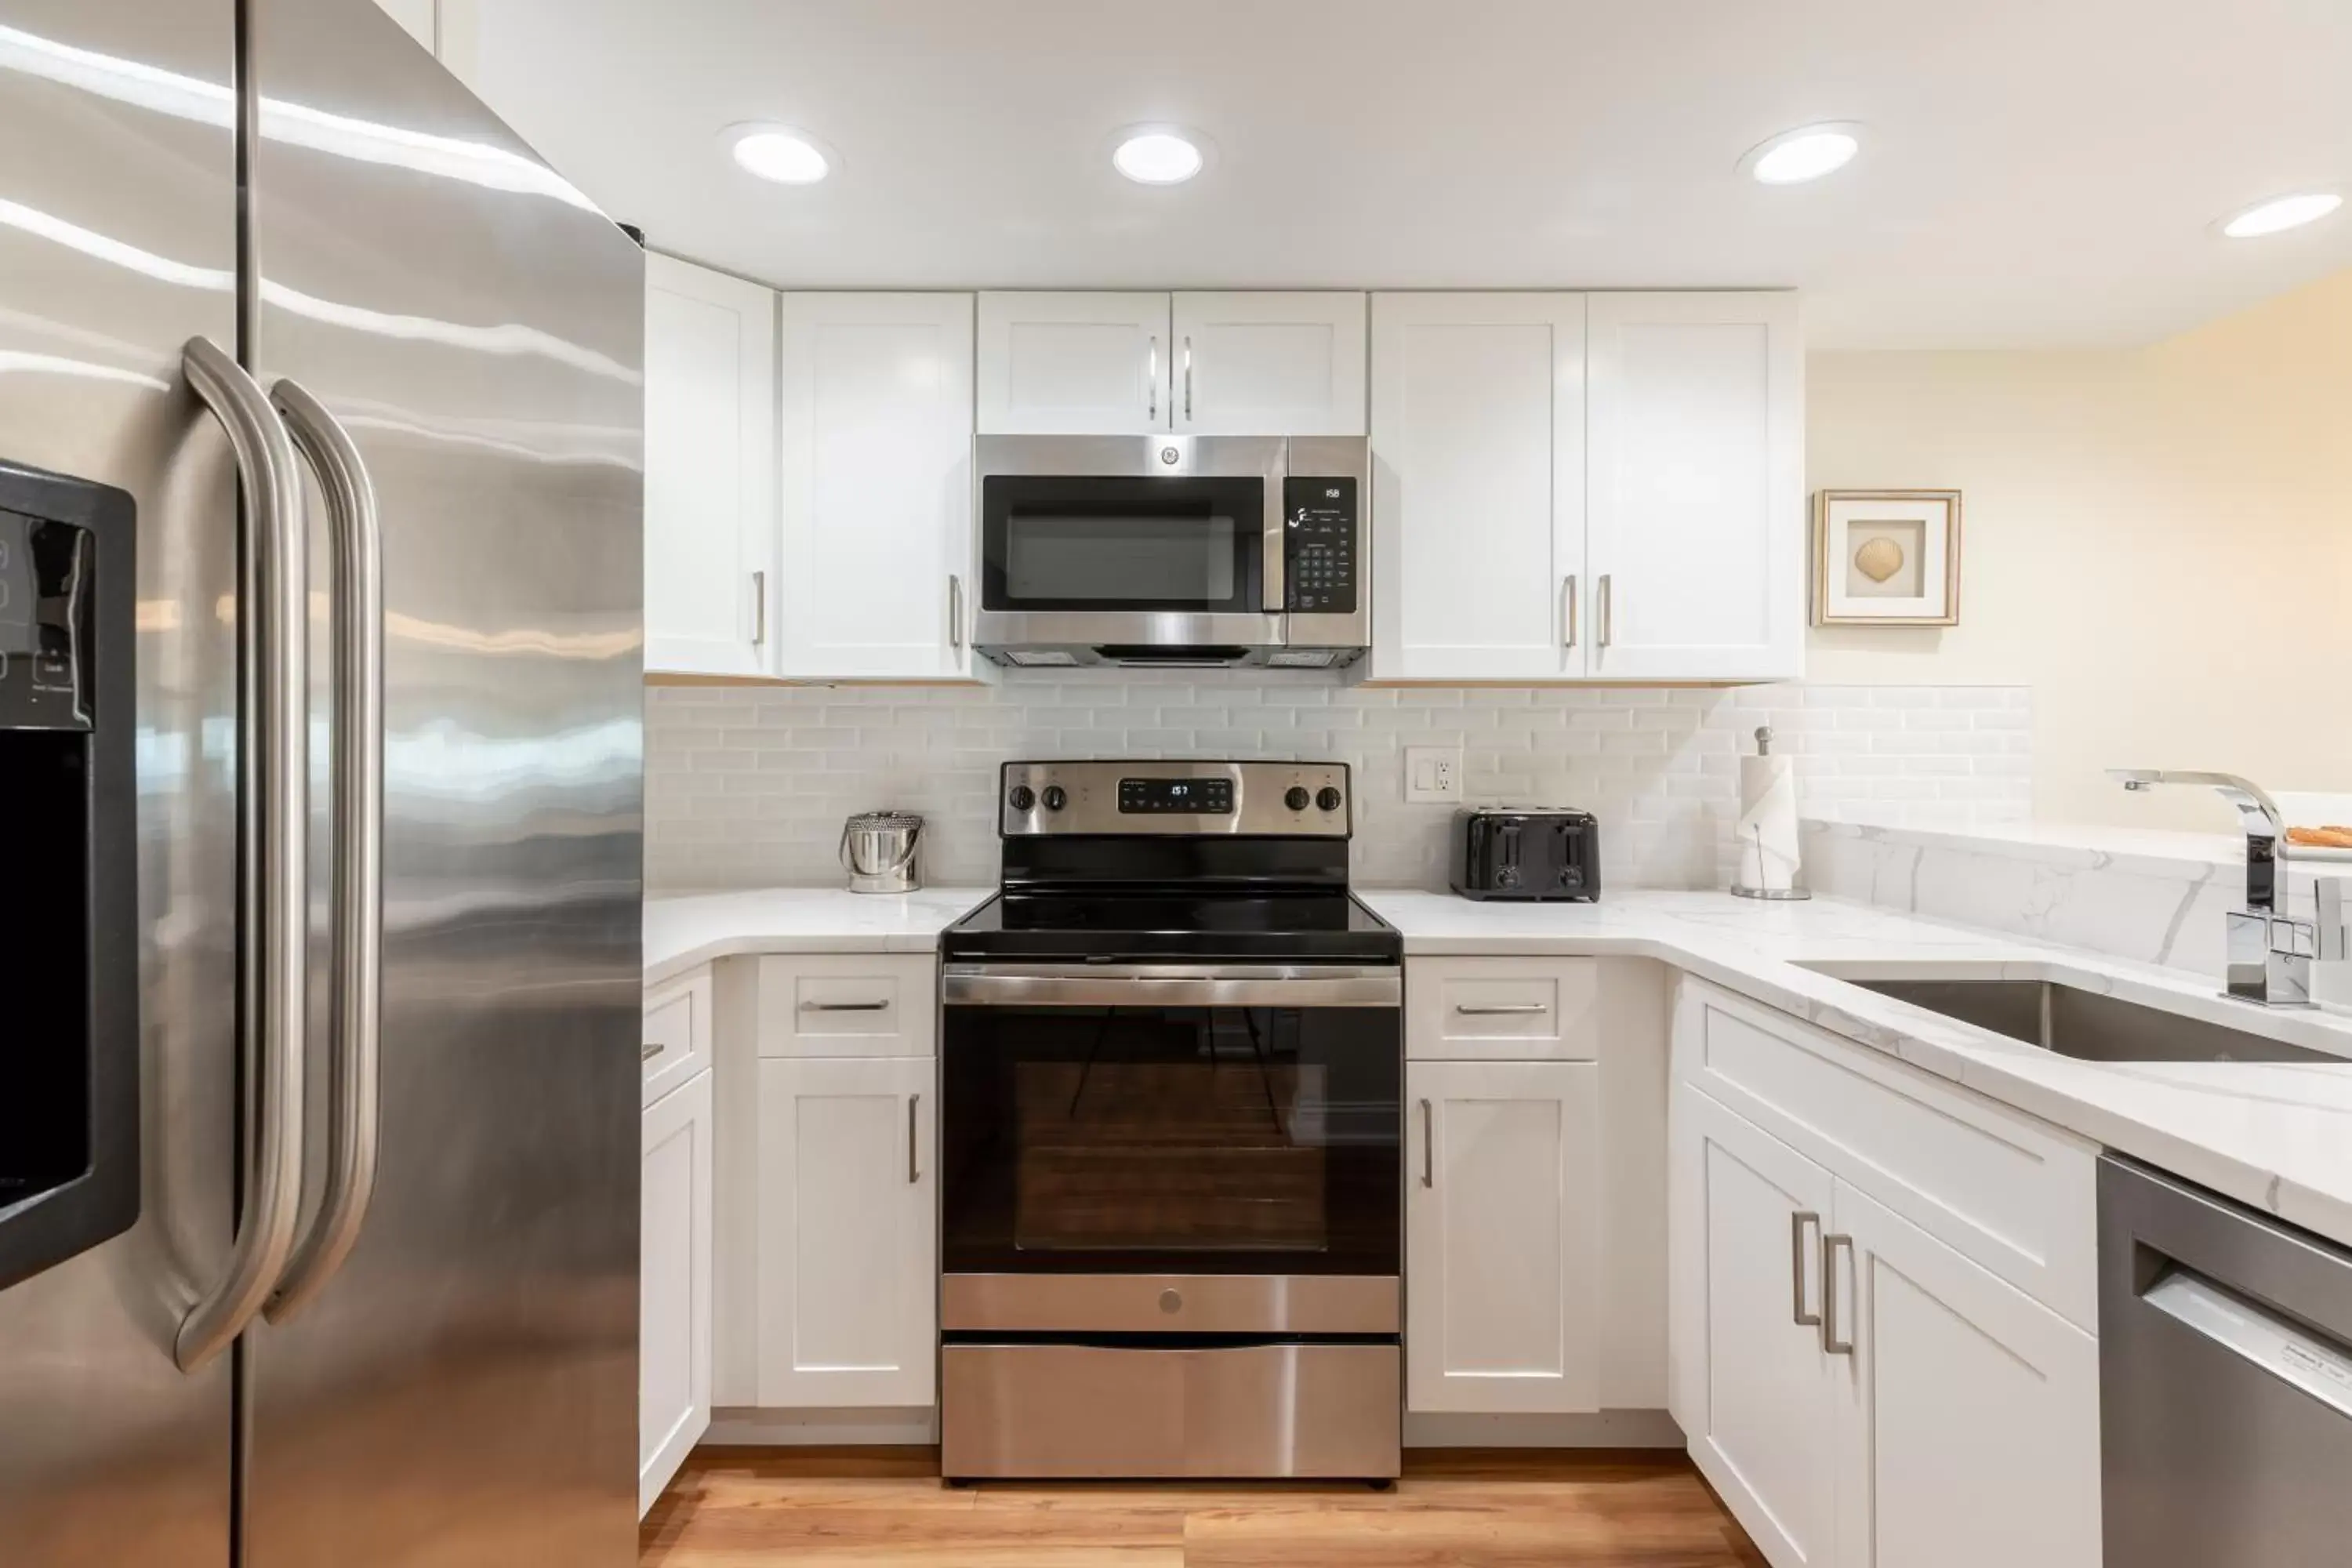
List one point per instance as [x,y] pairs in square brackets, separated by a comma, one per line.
[1319,925]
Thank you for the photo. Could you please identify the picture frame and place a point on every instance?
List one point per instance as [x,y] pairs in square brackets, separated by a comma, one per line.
[1887,558]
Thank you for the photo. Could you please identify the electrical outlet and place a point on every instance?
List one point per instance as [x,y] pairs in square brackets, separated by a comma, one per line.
[1433,772]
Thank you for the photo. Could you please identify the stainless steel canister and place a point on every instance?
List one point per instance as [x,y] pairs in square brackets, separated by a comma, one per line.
[882,852]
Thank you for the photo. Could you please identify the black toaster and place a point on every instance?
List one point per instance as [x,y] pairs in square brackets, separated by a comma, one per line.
[1527,853]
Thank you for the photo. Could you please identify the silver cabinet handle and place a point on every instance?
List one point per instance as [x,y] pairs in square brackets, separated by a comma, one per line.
[1187,377]
[1498,1009]
[1801,1257]
[273,903]
[1428,1146]
[1608,612]
[759,609]
[355,941]
[649,1051]
[955,613]
[1831,1246]
[914,1163]
[1151,383]
[845,1006]
[1567,611]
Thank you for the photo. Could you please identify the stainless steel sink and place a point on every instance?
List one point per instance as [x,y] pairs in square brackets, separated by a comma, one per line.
[2089,1026]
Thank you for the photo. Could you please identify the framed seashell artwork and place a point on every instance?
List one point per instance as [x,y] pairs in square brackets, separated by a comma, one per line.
[1887,558]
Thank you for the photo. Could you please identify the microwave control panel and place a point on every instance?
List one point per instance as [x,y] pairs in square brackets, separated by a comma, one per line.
[1318,547]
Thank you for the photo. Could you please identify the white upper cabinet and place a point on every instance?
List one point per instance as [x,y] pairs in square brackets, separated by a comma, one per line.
[1694,509]
[1477,423]
[1268,364]
[1073,364]
[876,418]
[711,471]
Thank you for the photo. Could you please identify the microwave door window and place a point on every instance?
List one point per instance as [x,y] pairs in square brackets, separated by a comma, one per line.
[1127,561]
[1059,543]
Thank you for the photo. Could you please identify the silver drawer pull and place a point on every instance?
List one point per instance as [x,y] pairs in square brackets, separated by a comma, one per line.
[1830,1331]
[1428,1146]
[1498,1009]
[1800,1256]
[845,1006]
[914,1162]
[649,1051]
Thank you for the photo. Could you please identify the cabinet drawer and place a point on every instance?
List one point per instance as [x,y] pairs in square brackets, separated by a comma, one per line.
[677,1038]
[2016,1195]
[1502,1009]
[848,1004]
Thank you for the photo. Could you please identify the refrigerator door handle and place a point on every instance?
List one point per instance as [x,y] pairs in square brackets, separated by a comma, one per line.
[273,901]
[355,1008]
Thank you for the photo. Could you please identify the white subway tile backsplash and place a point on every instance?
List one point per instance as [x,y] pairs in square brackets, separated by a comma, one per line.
[748,785]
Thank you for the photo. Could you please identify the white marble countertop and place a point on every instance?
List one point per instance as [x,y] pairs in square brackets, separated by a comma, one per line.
[2276,1137]
[683,933]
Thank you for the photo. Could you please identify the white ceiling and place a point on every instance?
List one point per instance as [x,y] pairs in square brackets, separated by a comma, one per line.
[2034,172]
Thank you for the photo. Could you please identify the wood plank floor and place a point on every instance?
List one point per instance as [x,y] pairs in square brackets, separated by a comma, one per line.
[880,1507]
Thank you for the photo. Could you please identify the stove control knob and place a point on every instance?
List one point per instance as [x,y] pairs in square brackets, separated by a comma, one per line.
[1056,797]
[1298,798]
[1023,797]
[1328,798]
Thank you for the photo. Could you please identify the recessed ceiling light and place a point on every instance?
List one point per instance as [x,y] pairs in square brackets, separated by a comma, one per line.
[1158,154]
[2281,214]
[1805,153]
[781,154]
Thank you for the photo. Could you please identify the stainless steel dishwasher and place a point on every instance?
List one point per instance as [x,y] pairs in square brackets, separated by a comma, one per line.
[2226,1382]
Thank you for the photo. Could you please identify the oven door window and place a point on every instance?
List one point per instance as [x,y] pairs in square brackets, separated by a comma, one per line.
[1172,1140]
[1071,544]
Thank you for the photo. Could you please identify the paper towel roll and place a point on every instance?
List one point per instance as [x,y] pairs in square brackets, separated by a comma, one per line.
[1769,862]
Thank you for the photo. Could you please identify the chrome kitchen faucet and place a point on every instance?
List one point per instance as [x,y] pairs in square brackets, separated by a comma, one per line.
[2270,954]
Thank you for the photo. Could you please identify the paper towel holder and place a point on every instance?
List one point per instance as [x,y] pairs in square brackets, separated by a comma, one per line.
[1796,890]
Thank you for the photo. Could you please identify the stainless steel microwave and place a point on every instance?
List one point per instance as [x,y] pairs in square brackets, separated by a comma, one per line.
[1173,550]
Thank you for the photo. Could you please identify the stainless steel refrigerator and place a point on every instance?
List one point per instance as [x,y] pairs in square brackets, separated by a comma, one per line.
[378,1302]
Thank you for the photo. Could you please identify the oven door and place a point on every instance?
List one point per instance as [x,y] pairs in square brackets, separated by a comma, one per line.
[1130,543]
[1172,1149]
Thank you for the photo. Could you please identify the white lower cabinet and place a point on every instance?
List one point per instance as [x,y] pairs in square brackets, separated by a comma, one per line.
[1860,1390]
[1754,1391]
[1503,1237]
[846,1231]
[674,1283]
[1967,1413]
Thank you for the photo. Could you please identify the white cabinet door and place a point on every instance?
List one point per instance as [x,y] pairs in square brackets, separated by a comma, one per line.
[1969,1417]
[1695,509]
[1754,1390]
[1477,486]
[1073,364]
[1502,1237]
[415,15]
[1269,364]
[876,418]
[847,1278]
[674,1284]
[711,471]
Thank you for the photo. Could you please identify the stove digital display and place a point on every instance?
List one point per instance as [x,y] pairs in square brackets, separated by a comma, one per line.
[1160,797]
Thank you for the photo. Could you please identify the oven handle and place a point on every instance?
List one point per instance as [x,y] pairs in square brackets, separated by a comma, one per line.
[1170,985]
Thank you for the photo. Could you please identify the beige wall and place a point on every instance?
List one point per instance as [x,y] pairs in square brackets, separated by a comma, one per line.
[2157,541]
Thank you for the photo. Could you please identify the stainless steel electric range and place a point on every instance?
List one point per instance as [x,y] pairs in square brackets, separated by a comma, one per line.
[1172,1064]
